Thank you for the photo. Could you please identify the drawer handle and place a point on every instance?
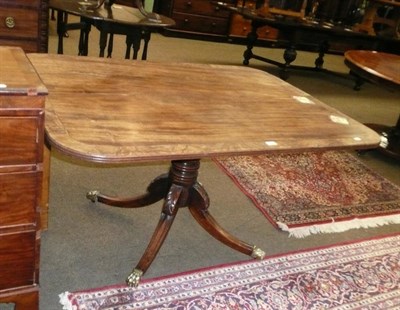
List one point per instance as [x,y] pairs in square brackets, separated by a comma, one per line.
[10,22]
[189,3]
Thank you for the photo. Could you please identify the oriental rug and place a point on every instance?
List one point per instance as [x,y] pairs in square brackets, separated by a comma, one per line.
[360,275]
[312,193]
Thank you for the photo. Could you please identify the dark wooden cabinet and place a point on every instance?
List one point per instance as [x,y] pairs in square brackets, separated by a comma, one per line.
[240,27]
[203,19]
[196,17]
[24,23]
[22,97]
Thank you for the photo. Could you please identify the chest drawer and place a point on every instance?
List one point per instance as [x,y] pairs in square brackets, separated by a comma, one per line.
[30,46]
[9,105]
[19,198]
[18,22]
[17,259]
[241,27]
[19,140]
[202,7]
[187,22]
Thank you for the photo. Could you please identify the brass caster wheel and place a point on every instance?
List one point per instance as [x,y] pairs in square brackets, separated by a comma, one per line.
[134,278]
[257,253]
[92,196]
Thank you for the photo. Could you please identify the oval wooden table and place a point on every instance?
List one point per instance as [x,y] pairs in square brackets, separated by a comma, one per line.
[383,69]
[135,23]
[119,111]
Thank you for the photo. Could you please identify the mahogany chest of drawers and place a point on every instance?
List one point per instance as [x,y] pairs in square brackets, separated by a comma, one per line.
[205,19]
[24,23]
[196,16]
[240,27]
[22,97]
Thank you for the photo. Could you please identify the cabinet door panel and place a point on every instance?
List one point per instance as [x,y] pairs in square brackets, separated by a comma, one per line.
[17,259]
[19,140]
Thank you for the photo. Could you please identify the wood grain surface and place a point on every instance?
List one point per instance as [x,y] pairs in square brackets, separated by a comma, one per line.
[121,111]
[17,77]
[378,67]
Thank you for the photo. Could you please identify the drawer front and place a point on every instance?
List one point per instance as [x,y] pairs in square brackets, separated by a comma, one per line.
[201,7]
[19,198]
[24,105]
[241,27]
[17,259]
[29,46]
[19,140]
[19,22]
[203,24]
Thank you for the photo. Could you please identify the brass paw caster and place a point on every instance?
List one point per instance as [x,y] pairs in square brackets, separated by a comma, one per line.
[257,253]
[92,196]
[134,278]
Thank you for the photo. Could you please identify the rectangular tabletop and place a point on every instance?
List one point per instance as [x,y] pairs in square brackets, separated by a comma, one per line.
[120,111]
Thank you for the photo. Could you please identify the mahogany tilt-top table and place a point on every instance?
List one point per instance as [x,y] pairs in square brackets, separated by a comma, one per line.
[118,111]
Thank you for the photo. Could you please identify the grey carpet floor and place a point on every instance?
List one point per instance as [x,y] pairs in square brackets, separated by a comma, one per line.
[89,245]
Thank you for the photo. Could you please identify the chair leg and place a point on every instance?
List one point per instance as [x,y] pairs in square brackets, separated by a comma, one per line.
[133,41]
[102,43]
[146,35]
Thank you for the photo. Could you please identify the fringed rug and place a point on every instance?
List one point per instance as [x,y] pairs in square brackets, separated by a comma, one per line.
[315,192]
[362,275]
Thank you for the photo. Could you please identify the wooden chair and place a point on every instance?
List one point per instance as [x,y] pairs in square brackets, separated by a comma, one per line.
[132,41]
[373,19]
[107,39]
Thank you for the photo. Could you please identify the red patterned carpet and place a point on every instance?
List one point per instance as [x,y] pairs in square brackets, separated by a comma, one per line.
[361,275]
[315,192]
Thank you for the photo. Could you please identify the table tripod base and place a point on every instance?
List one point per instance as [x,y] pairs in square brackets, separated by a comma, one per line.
[179,188]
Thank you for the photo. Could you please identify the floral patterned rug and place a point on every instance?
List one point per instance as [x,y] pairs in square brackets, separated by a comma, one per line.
[313,193]
[360,275]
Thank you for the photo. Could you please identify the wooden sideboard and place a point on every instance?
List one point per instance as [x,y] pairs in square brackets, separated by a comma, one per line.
[24,23]
[240,27]
[195,17]
[22,97]
[201,19]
